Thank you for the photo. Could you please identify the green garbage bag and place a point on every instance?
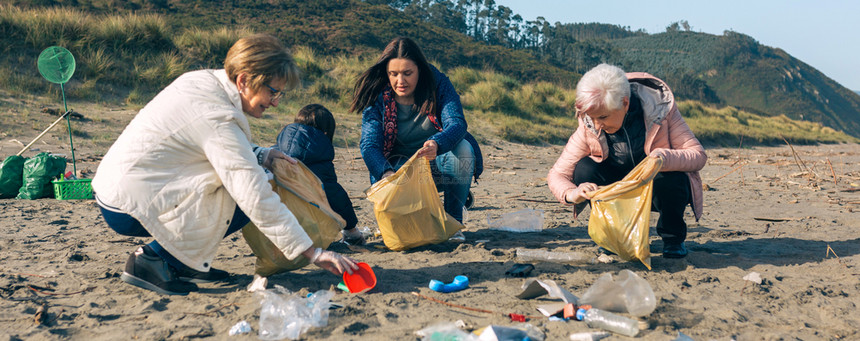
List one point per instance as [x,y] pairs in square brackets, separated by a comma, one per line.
[11,176]
[38,173]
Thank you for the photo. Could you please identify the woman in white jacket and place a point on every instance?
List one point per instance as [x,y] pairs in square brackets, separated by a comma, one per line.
[185,172]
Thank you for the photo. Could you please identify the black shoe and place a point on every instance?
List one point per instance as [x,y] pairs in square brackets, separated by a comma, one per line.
[602,250]
[147,270]
[194,276]
[674,250]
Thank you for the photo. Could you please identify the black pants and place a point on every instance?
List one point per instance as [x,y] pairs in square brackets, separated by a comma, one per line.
[671,195]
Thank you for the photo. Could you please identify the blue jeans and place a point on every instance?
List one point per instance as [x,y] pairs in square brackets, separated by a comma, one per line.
[126,225]
[452,172]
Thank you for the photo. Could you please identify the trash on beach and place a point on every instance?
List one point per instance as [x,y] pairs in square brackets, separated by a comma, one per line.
[527,220]
[573,257]
[446,331]
[243,327]
[258,284]
[683,337]
[534,288]
[520,270]
[588,336]
[754,277]
[360,280]
[627,293]
[522,331]
[459,283]
[287,315]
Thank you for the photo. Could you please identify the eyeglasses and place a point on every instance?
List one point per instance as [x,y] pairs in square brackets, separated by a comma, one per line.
[276,95]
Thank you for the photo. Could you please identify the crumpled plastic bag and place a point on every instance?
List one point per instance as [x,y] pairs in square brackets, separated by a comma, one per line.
[38,173]
[301,191]
[408,209]
[621,213]
[627,293]
[287,315]
[11,176]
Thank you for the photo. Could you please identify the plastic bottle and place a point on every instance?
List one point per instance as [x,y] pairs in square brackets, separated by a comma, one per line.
[596,318]
[527,220]
[557,257]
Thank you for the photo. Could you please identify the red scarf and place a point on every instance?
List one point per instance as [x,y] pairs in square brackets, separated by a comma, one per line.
[389,121]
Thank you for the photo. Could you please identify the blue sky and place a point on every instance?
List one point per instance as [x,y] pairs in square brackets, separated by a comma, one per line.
[824,34]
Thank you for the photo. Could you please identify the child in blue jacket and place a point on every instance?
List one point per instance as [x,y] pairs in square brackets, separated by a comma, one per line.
[309,140]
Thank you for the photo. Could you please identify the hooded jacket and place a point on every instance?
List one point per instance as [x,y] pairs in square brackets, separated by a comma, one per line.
[665,129]
[185,162]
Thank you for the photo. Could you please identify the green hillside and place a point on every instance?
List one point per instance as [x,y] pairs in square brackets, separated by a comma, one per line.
[127,51]
[743,73]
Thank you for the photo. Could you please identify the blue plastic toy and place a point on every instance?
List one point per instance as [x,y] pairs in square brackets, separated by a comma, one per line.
[459,283]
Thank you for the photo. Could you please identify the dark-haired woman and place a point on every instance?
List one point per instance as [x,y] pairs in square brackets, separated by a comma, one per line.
[408,106]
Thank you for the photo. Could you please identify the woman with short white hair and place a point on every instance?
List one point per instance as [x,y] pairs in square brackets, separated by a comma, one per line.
[624,118]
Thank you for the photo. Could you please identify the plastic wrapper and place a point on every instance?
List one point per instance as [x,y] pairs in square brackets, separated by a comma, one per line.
[627,293]
[38,173]
[621,213]
[408,209]
[301,191]
[287,315]
[11,176]
[527,220]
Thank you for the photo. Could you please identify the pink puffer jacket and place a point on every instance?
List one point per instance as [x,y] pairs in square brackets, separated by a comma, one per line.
[665,128]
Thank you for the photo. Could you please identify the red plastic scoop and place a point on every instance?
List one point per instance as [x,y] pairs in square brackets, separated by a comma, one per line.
[361,280]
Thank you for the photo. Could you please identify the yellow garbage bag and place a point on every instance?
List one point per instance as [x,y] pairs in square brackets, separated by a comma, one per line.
[408,209]
[621,213]
[301,191]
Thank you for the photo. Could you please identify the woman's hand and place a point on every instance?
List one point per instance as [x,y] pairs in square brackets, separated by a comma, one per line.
[272,154]
[429,150]
[580,193]
[387,174]
[331,261]
[659,153]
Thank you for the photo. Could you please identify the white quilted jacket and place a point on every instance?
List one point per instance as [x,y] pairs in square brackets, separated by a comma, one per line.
[184,163]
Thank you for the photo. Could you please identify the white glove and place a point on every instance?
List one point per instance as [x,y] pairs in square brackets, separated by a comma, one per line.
[659,152]
[266,156]
[580,193]
[333,261]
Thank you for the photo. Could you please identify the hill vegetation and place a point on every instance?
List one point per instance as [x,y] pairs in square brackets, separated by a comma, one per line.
[731,69]
[125,57]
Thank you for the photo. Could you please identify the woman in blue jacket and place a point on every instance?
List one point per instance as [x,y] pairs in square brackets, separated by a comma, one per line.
[309,140]
[408,106]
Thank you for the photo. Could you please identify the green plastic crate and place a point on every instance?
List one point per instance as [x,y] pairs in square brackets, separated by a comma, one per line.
[73,189]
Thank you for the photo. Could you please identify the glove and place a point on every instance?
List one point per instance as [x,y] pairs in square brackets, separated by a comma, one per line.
[333,261]
[580,193]
[266,156]
[659,152]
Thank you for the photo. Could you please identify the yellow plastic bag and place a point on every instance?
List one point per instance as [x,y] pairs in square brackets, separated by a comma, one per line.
[621,213]
[301,191]
[408,209]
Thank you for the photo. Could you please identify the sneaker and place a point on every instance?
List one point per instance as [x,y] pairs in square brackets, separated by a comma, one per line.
[674,250]
[190,275]
[353,237]
[145,269]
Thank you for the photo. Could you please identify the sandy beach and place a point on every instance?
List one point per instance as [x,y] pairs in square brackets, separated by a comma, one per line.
[790,215]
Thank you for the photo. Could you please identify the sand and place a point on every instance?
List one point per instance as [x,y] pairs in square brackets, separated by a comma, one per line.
[771,216]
